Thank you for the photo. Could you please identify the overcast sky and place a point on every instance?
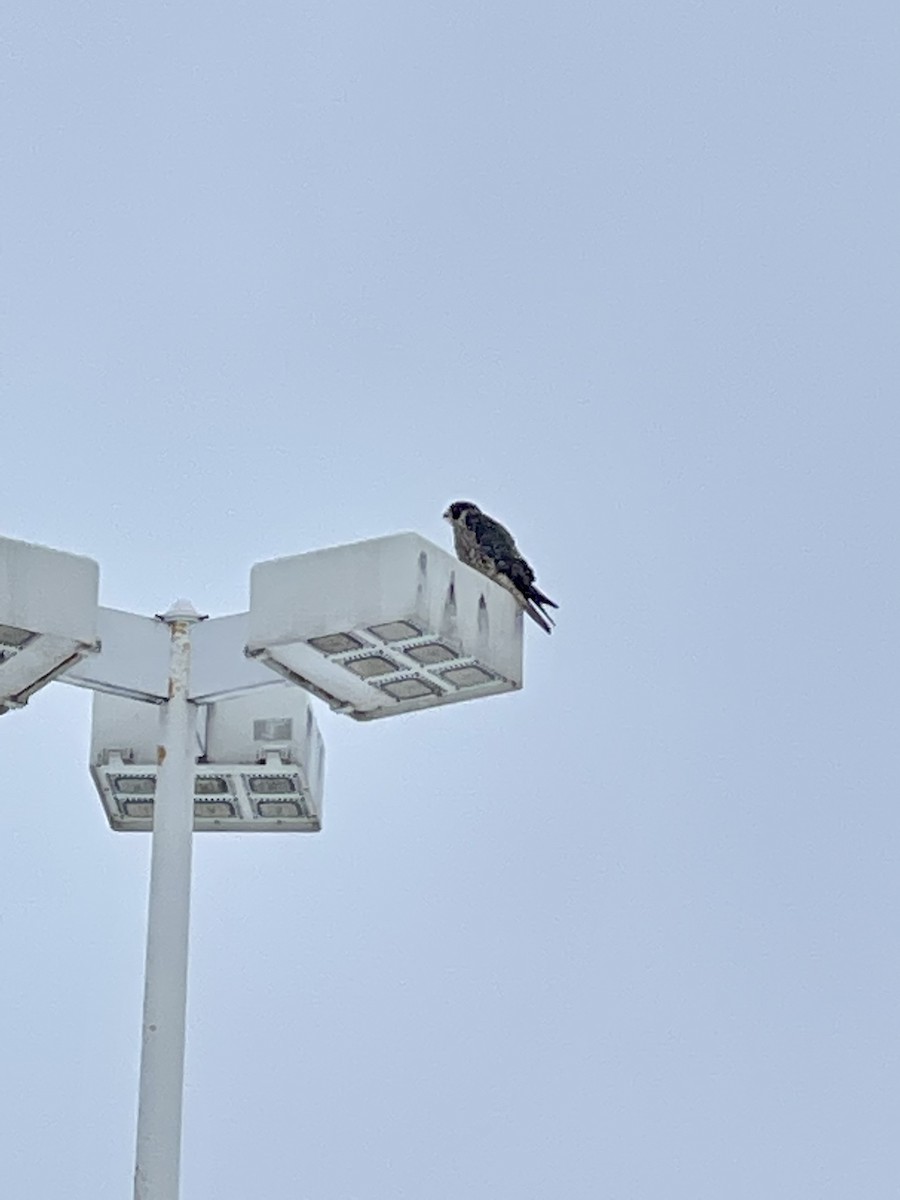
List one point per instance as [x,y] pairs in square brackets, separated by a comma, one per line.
[279,276]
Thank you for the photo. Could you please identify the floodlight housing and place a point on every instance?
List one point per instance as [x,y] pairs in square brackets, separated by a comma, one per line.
[48,617]
[385,626]
[260,762]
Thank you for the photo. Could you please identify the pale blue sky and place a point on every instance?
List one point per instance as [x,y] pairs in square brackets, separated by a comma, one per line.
[626,274]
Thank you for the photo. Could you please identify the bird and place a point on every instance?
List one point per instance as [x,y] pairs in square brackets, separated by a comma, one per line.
[489,547]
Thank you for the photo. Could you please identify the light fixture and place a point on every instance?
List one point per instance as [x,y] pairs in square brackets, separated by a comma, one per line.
[259,762]
[385,626]
[48,617]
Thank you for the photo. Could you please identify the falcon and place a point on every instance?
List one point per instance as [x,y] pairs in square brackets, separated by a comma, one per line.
[483,543]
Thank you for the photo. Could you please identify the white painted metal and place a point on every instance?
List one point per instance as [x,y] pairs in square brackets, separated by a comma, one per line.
[158,1152]
[133,659]
[385,626]
[375,628]
[259,761]
[48,616]
[278,720]
[219,667]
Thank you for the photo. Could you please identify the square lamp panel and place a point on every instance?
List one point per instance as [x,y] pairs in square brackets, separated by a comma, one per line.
[385,626]
[48,617]
[260,762]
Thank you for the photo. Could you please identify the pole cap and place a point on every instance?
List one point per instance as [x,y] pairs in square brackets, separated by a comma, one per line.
[181,610]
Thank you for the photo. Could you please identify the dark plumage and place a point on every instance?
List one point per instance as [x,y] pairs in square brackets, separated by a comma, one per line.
[483,543]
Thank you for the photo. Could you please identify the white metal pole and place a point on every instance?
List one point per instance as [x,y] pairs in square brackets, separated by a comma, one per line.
[158,1157]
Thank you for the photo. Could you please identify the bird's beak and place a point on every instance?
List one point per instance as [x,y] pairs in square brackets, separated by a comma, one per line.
[446,514]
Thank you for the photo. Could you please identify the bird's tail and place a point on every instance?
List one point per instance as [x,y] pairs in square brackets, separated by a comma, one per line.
[535,603]
[538,597]
[532,598]
[540,618]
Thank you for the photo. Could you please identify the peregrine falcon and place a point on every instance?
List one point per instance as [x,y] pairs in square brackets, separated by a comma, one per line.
[483,543]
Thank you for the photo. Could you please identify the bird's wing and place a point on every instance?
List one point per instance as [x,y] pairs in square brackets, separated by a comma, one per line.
[497,543]
[492,538]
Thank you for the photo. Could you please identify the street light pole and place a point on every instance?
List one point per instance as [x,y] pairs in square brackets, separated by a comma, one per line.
[374,628]
[158,1155]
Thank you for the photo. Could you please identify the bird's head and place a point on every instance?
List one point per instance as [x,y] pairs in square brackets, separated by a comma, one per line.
[458,509]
